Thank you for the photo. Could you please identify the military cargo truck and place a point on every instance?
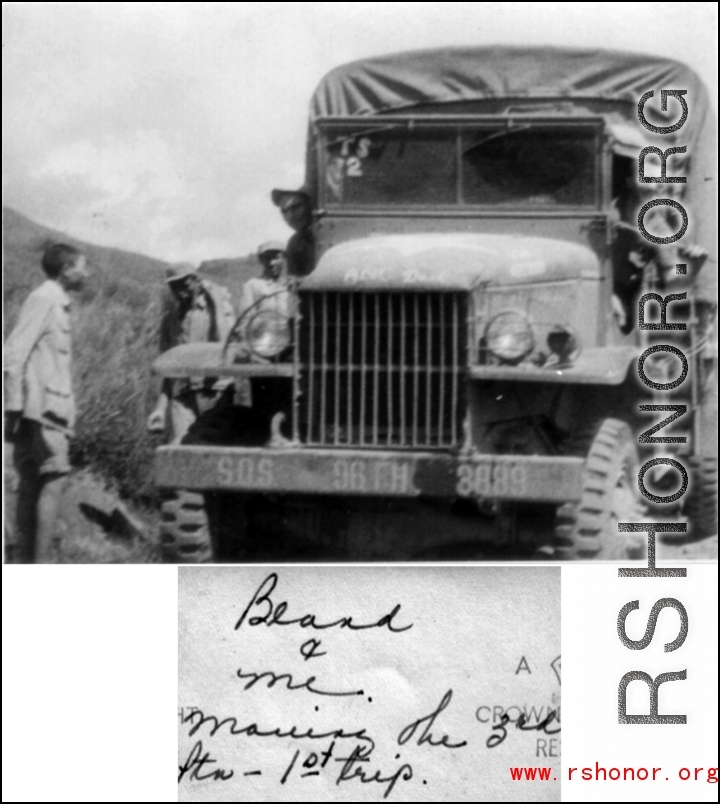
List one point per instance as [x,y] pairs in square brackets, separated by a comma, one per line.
[461,364]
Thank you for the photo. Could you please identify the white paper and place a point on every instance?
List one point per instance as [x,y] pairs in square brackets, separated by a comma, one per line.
[417,694]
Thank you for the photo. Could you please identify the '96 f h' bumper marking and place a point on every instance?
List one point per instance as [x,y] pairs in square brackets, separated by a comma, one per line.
[357,472]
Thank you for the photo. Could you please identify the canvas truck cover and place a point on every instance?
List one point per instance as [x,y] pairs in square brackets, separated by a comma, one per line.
[551,80]
[450,75]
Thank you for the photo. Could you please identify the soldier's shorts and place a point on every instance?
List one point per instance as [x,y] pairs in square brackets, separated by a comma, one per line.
[41,449]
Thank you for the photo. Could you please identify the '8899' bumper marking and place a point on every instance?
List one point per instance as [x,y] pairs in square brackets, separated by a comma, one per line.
[370,473]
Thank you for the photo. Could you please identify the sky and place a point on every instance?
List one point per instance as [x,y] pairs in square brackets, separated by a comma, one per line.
[162,127]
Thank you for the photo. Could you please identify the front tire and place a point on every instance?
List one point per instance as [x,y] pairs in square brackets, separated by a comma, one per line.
[184,529]
[587,529]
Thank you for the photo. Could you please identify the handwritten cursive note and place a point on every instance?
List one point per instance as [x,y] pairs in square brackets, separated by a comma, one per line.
[369,684]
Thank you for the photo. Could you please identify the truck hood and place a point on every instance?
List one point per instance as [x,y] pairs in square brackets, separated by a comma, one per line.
[454,261]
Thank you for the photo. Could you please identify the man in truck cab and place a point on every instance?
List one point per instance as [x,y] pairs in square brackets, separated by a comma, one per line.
[296,209]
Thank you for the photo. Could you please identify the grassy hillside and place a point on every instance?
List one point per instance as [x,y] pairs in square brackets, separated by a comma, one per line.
[115,339]
[22,249]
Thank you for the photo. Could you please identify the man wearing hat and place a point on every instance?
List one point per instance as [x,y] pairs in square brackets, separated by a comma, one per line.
[268,292]
[296,209]
[198,311]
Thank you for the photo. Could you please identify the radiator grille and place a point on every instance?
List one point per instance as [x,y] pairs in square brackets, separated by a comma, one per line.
[382,369]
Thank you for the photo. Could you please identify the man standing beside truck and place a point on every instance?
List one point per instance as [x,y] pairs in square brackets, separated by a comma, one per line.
[266,300]
[261,334]
[39,400]
[268,292]
[202,312]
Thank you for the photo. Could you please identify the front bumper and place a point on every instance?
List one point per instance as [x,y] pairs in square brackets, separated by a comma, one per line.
[526,478]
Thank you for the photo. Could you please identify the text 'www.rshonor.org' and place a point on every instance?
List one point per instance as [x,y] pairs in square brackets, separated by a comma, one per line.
[648,437]
[601,774]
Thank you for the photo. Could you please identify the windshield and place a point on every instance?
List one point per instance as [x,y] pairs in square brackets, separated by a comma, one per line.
[528,165]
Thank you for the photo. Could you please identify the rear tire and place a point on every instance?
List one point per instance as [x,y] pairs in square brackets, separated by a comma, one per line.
[587,529]
[701,507]
[184,529]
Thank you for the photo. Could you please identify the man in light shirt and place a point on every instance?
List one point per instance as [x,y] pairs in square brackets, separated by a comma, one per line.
[268,292]
[39,400]
[262,329]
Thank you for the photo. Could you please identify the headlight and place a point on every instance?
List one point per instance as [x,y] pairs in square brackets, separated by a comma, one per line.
[509,337]
[268,334]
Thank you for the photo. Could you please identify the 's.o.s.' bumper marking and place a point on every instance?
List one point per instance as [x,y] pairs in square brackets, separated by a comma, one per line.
[369,473]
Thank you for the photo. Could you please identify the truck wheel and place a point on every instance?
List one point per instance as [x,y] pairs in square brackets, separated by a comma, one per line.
[701,507]
[588,528]
[184,529]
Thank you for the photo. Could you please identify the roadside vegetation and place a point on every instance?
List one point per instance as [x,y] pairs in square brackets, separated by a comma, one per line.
[115,340]
[116,323]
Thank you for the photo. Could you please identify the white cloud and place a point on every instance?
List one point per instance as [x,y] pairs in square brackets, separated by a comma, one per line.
[132,187]
[143,167]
